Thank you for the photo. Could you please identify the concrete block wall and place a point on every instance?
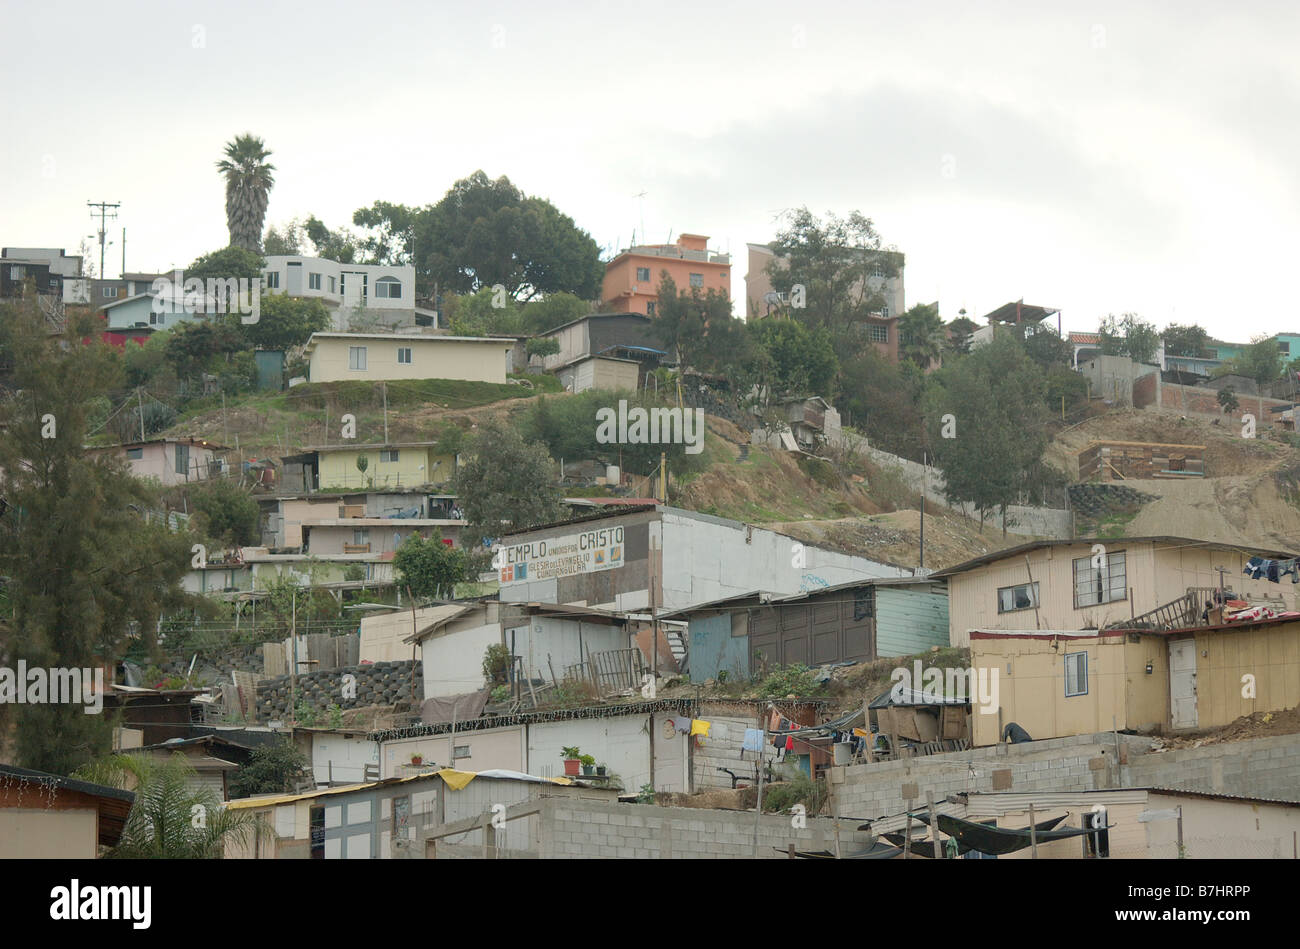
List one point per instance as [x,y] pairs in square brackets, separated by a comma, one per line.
[594,830]
[1077,763]
[1047,522]
[378,683]
[1261,767]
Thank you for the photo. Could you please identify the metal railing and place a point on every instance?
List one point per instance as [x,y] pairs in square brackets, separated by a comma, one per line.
[611,671]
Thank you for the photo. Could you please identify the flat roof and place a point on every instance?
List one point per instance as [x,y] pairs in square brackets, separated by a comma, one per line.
[1017,311]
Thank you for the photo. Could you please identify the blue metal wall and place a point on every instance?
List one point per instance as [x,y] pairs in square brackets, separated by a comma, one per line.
[713,649]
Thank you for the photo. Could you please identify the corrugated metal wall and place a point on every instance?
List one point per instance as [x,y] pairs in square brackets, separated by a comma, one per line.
[911,619]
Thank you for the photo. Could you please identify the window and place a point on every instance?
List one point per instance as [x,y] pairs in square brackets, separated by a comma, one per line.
[15,272]
[388,454]
[389,288]
[108,293]
[650,308]
[697,280]
[864,603]
[273,280]
[333,285]
[462,751]
[404,355]
[357,357]
[134,454]
[1021,597]
[1076,673]
[361,535]
[878,334]
[313,281]
[317,833]
[155,319]
[183,459]
[643,274]
[884,312]
[1094,585]
[402,817]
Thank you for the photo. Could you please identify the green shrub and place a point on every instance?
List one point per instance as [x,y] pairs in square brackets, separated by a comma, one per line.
[796,679]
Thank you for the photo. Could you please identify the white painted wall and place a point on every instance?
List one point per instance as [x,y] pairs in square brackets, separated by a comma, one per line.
[622,743]
[349,756]
[453,660]
[560,641]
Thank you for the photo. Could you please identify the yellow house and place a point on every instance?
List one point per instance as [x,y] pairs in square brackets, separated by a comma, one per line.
[1054,684]
[374,357]
[1094,583]
[394,465]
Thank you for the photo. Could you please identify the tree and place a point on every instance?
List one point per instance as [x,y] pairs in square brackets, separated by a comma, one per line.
[1261,360]
[840,263]
[273,768]
[83,567]
[883,400]
[485,232]
[232,261]
[920,334]
[1187,340]
[699,328]
[339,245]
[508,485]
[430,568]
[542,346]
[796,361]
[960,332]
[172,817]
[285,322]
[248,184]
[545,313]
[286,241]
[1130,336]
[993,404]
[1044,345]
[191,347]
[1228,400]
[390,233]
[232,514]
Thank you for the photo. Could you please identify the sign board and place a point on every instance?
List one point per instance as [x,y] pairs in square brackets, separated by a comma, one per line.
[566,556]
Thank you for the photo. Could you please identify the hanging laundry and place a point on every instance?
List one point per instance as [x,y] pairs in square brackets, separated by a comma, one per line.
[753,740]
[719,731]
[1254,567]
[1272,571]
[682,723]
[789,743]
[700,727]
[862,732]
[774,721]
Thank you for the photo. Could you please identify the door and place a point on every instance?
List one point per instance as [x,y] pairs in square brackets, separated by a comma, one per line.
[1182,683]
[293,279]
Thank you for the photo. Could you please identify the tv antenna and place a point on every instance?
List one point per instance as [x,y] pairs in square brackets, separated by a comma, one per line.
[641,202]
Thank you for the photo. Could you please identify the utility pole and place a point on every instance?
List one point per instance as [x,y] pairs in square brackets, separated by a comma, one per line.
[293,669]
[758,807]
[385,385]
[104,215]
[139,401]
[925,484]
[123,253]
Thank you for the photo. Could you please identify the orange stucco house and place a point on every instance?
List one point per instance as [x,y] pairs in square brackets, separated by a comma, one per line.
[632,278]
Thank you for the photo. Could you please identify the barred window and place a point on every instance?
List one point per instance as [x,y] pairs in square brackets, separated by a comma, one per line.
[1095,585]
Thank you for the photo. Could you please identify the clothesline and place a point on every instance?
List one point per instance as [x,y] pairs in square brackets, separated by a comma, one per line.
[1272,570]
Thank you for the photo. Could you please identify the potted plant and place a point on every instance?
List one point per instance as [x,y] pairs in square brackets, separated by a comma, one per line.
[417,759]
[588,764]
[572,759]
[601,769]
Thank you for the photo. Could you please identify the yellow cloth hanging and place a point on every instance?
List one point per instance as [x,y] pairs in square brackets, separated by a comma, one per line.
[700,727]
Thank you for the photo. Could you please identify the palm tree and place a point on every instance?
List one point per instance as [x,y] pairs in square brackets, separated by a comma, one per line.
[248,182]
[172,817]
[920,334]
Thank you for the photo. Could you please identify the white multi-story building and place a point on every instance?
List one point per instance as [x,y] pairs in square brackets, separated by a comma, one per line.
[383,294]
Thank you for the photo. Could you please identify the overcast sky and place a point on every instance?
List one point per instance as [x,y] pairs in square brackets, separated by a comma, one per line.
[1117,157]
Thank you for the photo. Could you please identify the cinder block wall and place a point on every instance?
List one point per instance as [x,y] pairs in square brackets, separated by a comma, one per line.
[1077,763]
[1261,767]
[588,829]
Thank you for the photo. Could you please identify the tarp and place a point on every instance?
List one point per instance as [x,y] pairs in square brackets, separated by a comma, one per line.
[1002,840]
[458,708]
[925,848]
[877,851]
